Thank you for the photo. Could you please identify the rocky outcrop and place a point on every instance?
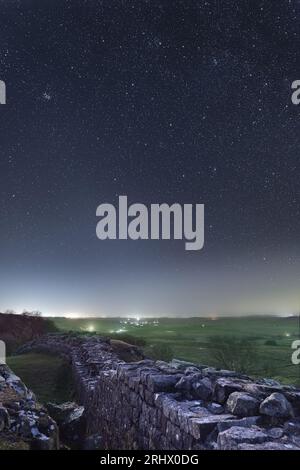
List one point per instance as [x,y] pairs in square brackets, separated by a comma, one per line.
[177,405]
[71,421]
[23,422]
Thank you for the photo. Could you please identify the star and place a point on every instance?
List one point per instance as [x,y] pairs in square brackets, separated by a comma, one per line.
[47,96]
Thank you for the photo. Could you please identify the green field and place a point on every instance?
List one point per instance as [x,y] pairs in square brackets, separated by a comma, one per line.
[48,376]
[195,339]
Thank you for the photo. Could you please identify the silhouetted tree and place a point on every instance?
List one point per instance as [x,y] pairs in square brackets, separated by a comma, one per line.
[33,313]
[238,354]
[10,312]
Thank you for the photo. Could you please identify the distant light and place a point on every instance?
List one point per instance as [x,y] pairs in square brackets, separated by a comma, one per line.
[73,315]
[134,317]
[91,328]
[203,326]
[287,335]
[121,330]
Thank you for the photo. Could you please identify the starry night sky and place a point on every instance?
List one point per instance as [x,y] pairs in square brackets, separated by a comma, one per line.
[183,101]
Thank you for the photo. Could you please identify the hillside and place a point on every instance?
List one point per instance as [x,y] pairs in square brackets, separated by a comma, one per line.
[18,329]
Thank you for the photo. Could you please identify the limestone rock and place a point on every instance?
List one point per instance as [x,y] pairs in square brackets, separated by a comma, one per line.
[185,383]
[60,412]
[4,419]
[241,422]
[71,420]
[269,445]
[233,437]
[275,433]
[202,389]
[195,386]
[162,383]
[242,404]
[224,387]
[181,365]
[293,426]
[201,427]
[215,408]
[276,405]
[22,418]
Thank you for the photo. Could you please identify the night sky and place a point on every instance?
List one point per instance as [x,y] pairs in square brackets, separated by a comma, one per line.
[183,101]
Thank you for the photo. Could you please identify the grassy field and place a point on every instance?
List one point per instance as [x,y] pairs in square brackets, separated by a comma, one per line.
[194,339]
[48,376]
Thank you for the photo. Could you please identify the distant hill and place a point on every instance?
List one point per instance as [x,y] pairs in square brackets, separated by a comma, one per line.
[18,329]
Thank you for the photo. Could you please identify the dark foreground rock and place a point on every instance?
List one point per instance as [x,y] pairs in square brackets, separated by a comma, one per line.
[24,424]
[252,438]
[71,421]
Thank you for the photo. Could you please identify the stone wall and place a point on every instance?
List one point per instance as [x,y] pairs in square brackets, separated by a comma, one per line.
[176,405]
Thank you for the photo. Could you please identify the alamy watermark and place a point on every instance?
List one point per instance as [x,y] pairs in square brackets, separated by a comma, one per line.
[296,353]
[2,352]
[2,92]
[159,222]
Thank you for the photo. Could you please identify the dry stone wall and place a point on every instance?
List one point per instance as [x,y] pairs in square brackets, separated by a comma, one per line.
[177,405]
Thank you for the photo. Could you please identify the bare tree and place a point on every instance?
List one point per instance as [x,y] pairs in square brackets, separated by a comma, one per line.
[33,313]
[233,353]
[9,311]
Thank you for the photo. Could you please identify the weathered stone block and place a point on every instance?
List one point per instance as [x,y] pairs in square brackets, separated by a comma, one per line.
[162,383]
[276,405]
[231,438]
[202,426]
[224,387]
[242,422]
[242,404]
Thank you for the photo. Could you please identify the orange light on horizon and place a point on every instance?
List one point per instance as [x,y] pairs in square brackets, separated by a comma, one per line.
[213,318]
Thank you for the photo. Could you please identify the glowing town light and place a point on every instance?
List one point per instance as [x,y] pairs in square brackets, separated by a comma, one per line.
[121,330]
[287,335]
[134,317]
[214,318]
[73,315]
[91,328]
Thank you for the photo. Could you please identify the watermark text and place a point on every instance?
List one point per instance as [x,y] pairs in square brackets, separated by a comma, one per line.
[158,222]
[2,92]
